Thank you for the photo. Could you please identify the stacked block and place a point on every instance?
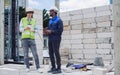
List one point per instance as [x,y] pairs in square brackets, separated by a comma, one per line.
[88,33]
[39,35]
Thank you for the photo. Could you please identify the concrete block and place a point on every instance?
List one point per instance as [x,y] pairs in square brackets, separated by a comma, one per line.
[88,10]
[77,46]
[86,36]
[37,11]
[103,40]
[65,22]
[38,17]
[90,46]
[89,20]
[106,57]
[40,55]
[89,41]
[89,30]
[77,36]
[90,56]
[91,25]
[77,56]
[89,15]
[66,32]
[102,19]
[112,52]
[75,61]
[37,37]
[89,51]
[112,37]
[40,31]
[77,27]
[104,13]
[75,12]
[104,46]
[103,29]
[65,46]
[103,51]
[66,27]
[102,8]
[64,51]
[75,51]
[104,35]
[112,29]
[111,17]
[112,40]
[99,71]
[66,37]
[79,41]
[66,18]
[103,24]
[65,42]
[64,14]
[110,73]
[39,22]
[75,31]
[39,46]
[76,17]
[7,71]
[38,42]
[75,22]
[88,61]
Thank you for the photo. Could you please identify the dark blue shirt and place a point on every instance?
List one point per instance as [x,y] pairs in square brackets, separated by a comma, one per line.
[56,26]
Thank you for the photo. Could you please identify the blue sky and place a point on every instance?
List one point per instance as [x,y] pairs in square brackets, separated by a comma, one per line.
[67,5]
[41,4]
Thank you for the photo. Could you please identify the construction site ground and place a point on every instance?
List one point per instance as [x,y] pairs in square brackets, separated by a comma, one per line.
[15,69]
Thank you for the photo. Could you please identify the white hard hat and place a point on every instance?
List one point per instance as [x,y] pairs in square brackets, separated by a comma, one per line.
[55,9]
[29,10]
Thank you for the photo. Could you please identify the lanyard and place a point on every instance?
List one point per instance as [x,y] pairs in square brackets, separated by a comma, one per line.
[29,21]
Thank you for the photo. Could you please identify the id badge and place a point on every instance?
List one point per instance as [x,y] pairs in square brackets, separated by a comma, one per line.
[29,26]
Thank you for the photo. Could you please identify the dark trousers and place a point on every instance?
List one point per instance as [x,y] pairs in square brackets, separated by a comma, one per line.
[54,53]
[29,43]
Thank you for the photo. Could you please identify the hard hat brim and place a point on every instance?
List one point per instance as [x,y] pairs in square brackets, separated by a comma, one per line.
[29,11]
[53,10]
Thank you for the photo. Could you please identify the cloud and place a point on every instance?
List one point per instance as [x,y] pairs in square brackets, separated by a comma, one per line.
[40,4]
[34,4]
[67,5]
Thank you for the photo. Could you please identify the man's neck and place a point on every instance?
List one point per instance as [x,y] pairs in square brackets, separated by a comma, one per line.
[53,16]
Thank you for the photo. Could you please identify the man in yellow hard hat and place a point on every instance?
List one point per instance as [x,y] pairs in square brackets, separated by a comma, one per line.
[28,28]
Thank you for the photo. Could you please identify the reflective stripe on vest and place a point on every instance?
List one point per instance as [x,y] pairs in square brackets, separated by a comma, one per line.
[28,33]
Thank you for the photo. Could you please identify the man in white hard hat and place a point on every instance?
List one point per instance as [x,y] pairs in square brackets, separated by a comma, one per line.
[28,28]
[54,31]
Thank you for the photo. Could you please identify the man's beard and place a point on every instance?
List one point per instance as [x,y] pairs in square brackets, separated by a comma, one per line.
[51,15]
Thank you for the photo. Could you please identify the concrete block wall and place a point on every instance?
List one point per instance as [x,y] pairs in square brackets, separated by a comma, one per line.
[39,35]
[88,33]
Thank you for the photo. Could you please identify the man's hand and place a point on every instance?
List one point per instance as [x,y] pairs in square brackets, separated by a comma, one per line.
[48,31]
[27,28]
[44,30]
[33,31]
